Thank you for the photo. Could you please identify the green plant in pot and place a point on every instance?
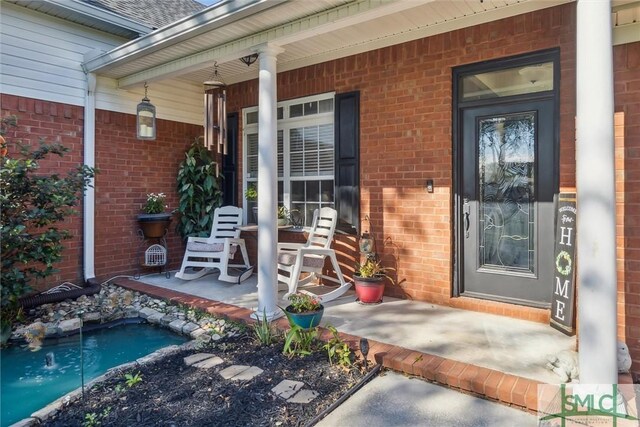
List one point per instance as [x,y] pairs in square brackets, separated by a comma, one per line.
[283,215]
[369,279]
[304,310]
[251,194]
[154,221]
[198,191]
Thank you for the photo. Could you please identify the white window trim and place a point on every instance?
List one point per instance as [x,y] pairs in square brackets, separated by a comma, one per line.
[285,124]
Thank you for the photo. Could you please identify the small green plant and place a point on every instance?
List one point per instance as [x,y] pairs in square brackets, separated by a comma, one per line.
[155,203]
[133,379]
[303,303]
[298,341]
[91,420]
[263,331]
[338,349]
[119,388]
[252,192]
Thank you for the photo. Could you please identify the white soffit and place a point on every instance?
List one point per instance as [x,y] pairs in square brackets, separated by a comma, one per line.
[340,30]
[626,21]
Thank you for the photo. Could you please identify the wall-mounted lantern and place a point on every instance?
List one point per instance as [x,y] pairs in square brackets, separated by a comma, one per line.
[366,244]
[146,118]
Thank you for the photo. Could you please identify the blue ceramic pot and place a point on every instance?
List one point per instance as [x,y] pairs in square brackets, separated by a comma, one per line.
[306,320]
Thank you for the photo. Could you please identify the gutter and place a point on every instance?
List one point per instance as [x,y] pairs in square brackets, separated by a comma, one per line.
[88,213]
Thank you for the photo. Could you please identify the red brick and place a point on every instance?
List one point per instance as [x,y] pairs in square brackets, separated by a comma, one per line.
[505,387]
[443,369]
[491,384]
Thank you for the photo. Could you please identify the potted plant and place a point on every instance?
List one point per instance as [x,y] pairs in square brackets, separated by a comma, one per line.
[369,281]
[154,221]
[304,310]
[199,192]
[283,215]
[252,197]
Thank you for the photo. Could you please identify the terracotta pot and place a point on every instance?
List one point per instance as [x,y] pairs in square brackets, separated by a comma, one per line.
[306,320]
[369,290]
[154,226]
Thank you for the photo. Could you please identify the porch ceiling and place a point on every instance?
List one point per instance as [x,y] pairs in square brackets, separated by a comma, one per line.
[310,32]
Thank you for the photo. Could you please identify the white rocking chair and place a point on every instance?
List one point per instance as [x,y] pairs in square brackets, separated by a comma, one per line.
[297,258]
[218,249]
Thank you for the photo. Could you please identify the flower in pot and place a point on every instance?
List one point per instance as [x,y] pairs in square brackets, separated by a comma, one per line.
[369,281]
[304,310]
[154,221]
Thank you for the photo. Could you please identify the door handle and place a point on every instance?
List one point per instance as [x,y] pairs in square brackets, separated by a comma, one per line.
[466,212]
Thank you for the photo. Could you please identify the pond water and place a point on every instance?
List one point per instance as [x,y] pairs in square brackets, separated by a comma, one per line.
[32,379]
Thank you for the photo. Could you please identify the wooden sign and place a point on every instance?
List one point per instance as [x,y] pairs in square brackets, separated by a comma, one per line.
[563,299]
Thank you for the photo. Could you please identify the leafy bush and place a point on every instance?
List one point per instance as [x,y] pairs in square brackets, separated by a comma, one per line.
[199,192]
[32,204]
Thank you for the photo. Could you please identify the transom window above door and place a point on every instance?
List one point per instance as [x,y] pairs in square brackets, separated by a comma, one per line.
[305,155]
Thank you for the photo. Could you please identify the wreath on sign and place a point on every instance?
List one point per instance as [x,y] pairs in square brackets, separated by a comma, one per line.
[563,263]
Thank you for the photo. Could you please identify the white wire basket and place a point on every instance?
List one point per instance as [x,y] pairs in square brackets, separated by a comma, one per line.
[155,255]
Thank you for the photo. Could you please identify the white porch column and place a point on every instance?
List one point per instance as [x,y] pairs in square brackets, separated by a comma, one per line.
[267,184]
[597,290]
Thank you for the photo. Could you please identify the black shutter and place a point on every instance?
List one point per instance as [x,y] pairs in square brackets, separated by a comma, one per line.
[347,157]
[229,161]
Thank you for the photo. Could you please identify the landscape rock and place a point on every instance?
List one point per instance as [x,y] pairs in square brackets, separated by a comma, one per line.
[70,325]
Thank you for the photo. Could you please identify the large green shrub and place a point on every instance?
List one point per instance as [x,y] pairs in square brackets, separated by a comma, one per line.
[199,191]
[32,205]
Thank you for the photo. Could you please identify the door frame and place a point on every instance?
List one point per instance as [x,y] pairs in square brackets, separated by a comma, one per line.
[547,55]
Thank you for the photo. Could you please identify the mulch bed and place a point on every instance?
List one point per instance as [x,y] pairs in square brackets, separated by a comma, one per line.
[172,394]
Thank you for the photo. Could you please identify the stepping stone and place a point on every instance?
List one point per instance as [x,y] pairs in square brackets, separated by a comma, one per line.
[195,358]
[287,388]
[303,396]
[209,363]
[240,372]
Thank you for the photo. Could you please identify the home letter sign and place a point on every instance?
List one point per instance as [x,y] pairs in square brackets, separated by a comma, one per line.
[562,301]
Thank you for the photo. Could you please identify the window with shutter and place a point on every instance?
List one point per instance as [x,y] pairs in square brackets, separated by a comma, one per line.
[306,154]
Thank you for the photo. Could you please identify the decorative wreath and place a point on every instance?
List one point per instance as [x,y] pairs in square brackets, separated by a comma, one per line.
[563,263]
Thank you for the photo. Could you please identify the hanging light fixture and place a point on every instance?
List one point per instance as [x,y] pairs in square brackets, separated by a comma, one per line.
[215,112]
[146,118]
[249,59]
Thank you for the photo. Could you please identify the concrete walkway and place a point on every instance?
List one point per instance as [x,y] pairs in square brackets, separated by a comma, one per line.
[394,400]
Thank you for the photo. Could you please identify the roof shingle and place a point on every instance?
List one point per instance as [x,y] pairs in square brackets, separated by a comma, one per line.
[154,13]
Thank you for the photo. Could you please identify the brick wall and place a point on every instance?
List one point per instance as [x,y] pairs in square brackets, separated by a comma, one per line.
[406,138]
[627,132]
[56,123]
[129,169]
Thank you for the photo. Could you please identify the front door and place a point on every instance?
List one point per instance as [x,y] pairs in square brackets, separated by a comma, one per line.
[508,175]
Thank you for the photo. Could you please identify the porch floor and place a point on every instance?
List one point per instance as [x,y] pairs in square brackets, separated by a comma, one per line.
[512,346]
